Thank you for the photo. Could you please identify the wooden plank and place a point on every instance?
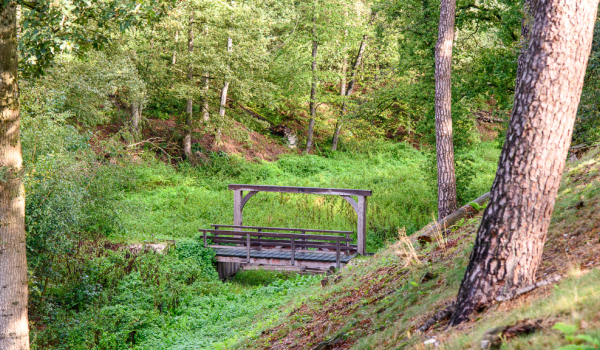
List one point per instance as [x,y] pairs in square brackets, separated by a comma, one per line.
[256,244]
[280,228]
[275,262]
[308,190]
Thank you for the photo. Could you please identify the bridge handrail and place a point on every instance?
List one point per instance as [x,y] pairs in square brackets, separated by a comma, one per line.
[216,226]
[302,237]
[278,235]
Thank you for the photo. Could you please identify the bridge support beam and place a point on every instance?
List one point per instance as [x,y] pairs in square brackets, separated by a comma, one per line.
[360,206]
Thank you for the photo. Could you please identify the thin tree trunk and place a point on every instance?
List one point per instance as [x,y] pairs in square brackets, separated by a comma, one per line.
[136,114]
[525,28]
[205,82]
[226,85]
[313,88]
[443,110]
[349,90]
[174,59]
[511,238]
[224,90]
[14,328]
[205,113]
[187,139]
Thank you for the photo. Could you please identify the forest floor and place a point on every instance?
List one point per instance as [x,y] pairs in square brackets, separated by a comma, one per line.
[379,303]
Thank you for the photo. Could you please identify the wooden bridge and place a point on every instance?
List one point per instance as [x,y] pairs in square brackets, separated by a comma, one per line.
[294,249]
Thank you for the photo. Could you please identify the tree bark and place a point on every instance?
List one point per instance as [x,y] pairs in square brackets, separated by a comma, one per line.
[357,63]
[205,113]
[226,85]
[174,59]
[443,110]
[187,138]
[136,114]
[510,240]
[14,328]
[313,88]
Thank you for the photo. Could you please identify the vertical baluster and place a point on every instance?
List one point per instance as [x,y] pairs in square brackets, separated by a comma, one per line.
[348,244]
[248,247]
[293,251]
[337,253]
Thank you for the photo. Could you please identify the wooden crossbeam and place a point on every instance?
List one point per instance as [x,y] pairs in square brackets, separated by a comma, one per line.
[307,190]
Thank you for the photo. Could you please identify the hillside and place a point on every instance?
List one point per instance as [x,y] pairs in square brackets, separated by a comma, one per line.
[379,303]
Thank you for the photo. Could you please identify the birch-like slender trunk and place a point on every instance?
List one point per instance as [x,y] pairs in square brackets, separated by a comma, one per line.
[443,111]
[224,90]
[349,90]
[313,88]
[226,84]
[187,138]
[14,327]
[174,59]
[512,234]
[205,112]
[136,115]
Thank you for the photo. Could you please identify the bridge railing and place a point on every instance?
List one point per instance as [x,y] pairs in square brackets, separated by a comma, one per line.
[257,240]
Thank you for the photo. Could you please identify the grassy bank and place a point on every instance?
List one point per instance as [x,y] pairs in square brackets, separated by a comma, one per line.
[170,203]
[86,205]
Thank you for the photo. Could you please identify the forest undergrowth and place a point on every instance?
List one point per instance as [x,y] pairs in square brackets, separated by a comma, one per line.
[86,206]
[380,303]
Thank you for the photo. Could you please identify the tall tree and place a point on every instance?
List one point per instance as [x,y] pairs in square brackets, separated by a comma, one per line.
[348,92]
[510,240]
[187,138]
[313,86]
[14,328]
[443,110]
[226,84]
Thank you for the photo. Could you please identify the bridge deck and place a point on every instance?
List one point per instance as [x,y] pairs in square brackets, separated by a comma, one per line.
[279,255]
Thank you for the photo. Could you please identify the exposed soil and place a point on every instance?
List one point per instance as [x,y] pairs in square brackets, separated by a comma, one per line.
[164,137]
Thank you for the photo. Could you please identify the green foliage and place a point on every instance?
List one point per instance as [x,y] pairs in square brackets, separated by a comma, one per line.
[587,125]
[582,341]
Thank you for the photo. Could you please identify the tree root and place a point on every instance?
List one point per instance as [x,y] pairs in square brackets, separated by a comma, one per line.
[441,315]
[520,291]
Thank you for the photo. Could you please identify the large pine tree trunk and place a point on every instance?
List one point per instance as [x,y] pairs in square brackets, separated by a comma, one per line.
[187,138]
[14,328]
[443,110]
[349,90]
[510,240]
[313,88]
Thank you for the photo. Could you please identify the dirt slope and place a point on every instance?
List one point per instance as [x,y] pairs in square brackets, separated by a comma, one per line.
[379,303]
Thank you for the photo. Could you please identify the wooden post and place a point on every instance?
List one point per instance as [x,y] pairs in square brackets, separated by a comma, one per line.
[361,230]
[348,244]
[205,239]
[337,254]
[293,251]
[237,208]
[248,247]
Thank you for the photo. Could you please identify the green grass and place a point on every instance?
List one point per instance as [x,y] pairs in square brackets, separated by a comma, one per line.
[89,292]
[173,204]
